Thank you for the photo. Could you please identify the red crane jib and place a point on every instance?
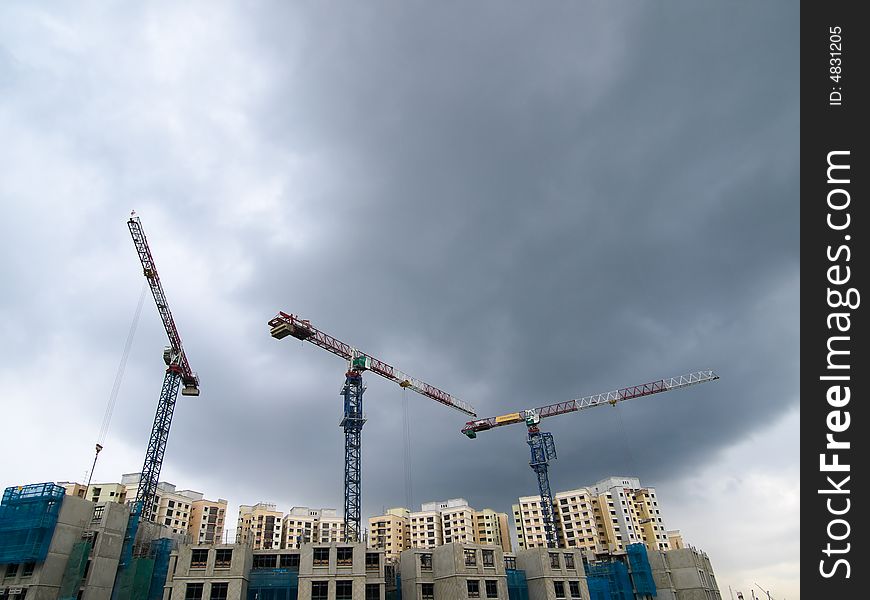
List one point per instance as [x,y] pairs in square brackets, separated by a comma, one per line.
[284,325]
[551,410]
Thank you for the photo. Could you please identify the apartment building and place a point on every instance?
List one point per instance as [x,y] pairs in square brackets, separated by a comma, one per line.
[675,539]
[260,526]
[171,506]
[602,518]
[391,532]
[183,511]
[303,525]
[96,492]
[638,513]
[436,524]
[425,529]
[457,520]
[330,527]
[528,523]
[207,520]
[491,529]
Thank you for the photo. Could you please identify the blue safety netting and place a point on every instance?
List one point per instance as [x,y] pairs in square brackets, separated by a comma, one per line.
[609,581]
[641,572]
[28,516]
[160,550]
[518,587]
[273,584]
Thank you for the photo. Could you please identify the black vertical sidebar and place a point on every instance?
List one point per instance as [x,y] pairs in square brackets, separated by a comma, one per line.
[835,225]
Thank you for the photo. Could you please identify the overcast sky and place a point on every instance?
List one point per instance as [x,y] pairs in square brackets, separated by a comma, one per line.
[519,203]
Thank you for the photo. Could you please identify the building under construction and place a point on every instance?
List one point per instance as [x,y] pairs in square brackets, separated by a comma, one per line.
[56,546]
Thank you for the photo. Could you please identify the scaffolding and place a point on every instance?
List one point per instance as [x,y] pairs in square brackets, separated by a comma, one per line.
[28,516]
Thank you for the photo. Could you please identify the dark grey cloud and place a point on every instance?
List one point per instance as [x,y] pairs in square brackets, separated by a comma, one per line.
[520,205]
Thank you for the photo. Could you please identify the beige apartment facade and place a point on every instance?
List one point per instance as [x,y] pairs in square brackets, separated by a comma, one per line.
[391,532]
[438,523]
[425,530]
[172,507]
[207,520]
[260,525]
[602,518]
[491,529]
[176,509]
[304,525]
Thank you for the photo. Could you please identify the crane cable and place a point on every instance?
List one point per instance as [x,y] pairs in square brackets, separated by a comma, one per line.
[119,376]
[627,442]
[406,441]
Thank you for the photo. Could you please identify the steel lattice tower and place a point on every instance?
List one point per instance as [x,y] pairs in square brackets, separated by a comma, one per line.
[543,449]
[352,423]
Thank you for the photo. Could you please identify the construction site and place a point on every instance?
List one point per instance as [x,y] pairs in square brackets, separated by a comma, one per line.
[59,544]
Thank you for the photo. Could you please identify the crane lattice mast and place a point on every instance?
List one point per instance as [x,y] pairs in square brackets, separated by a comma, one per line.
[541,444]
[178,375]
[283,325]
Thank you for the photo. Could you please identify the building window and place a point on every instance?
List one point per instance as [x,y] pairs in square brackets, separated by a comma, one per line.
[569,561]
[222,558]
[510,562]
[574,587]
[373,591]
[373,561]
[265,561]
[344,556]
[470,557]
[427,591]
[426,562]
[344,590]
[319,590]
[473,588]
[289,561]
[198,558]
[28,569]
[11,570]
[554,561]
[491,588]
[321,557]
[193,591]
[488,558]
[559,588]
[219,591]
[98,514]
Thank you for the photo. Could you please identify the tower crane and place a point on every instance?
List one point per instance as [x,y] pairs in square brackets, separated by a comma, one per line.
[283,325]
[541,444]
[178,375]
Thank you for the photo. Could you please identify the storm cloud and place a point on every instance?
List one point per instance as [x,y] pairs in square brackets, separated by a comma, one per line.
[517,203]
